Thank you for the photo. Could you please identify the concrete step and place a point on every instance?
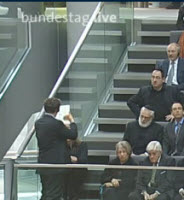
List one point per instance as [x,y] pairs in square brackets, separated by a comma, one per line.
[131,79]
[154,37]
[77,93]
[105,33]
[115,124]
[147,52]
[123,94]
[153,33]
[101,140]
[91,60]
[114,109]
[95,51]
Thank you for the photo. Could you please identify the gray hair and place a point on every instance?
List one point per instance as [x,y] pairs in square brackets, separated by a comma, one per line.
[154,146]
[176,45]
[124,145]
[152,113]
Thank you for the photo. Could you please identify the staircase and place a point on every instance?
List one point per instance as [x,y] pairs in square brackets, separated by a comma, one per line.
[152,38]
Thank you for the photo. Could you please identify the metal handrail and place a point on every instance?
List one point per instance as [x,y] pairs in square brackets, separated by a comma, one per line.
[63,74]
[96,166]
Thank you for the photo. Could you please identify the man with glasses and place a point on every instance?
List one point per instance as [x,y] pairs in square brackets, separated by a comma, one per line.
[158,95]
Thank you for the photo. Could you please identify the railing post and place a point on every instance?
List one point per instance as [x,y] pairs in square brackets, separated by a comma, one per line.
[10,180]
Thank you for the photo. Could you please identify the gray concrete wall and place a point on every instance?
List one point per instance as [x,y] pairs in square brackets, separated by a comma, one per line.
[32,84]
[74,30]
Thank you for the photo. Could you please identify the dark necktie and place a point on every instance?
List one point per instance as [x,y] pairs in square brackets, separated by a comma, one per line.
[177,128]
[170,74]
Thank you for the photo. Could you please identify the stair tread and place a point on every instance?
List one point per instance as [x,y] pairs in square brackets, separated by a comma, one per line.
[96,47]
[100,152]
[82,75]
[106,33]
[144,47]
[101,136]
[142,61]
[124,90]
[77,90]
[132,76]
[114,106]
[118,121]
[154,33]
[91,60]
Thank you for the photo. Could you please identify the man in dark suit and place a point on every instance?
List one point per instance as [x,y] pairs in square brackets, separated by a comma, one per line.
[156,183]
[175,63]
[158,95]
[52,135]
[173,143]
[142,131]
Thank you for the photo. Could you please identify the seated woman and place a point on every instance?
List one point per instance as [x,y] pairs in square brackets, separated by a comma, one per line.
[118,183]
[75,178]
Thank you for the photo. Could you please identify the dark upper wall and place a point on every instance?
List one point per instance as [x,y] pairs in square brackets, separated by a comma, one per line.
[33,82]
[74,30]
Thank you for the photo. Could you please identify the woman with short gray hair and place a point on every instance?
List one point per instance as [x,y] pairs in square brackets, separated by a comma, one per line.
[118,183]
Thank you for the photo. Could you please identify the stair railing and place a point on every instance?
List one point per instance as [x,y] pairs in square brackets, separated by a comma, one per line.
[27,138]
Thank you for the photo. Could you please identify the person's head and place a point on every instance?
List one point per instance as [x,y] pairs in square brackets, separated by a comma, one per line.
[146,116]
[173,51]
[72,143]
[51,105]
[123,151]
[154,150]
[157,79]
[177,111]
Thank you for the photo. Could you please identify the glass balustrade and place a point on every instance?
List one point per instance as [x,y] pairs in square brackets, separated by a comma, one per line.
[1,182]
[93,185]
[13,45]
[90,74]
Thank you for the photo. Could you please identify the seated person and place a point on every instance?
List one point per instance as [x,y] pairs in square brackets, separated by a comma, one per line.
[142,131]
[179,181]
[173,143]
[172,67]
[156,183]
[158,95]
[118,183]
[75,177]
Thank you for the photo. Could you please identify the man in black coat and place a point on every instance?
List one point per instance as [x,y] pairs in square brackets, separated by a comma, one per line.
[156,183]
[173,143]
[52,135]
[158,95]
[173,51]
[142,131]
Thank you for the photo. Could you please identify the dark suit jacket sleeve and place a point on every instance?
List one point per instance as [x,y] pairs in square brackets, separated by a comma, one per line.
[179,176]
[135,103]
[66,132]
[127,133]
[167,177]
[82,154]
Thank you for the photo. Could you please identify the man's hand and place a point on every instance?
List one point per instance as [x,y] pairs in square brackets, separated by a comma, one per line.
[74,159]
[109,184]
[181,192]
[115,182]
[69,117]
[146,195]
[169,118]
[153,196]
